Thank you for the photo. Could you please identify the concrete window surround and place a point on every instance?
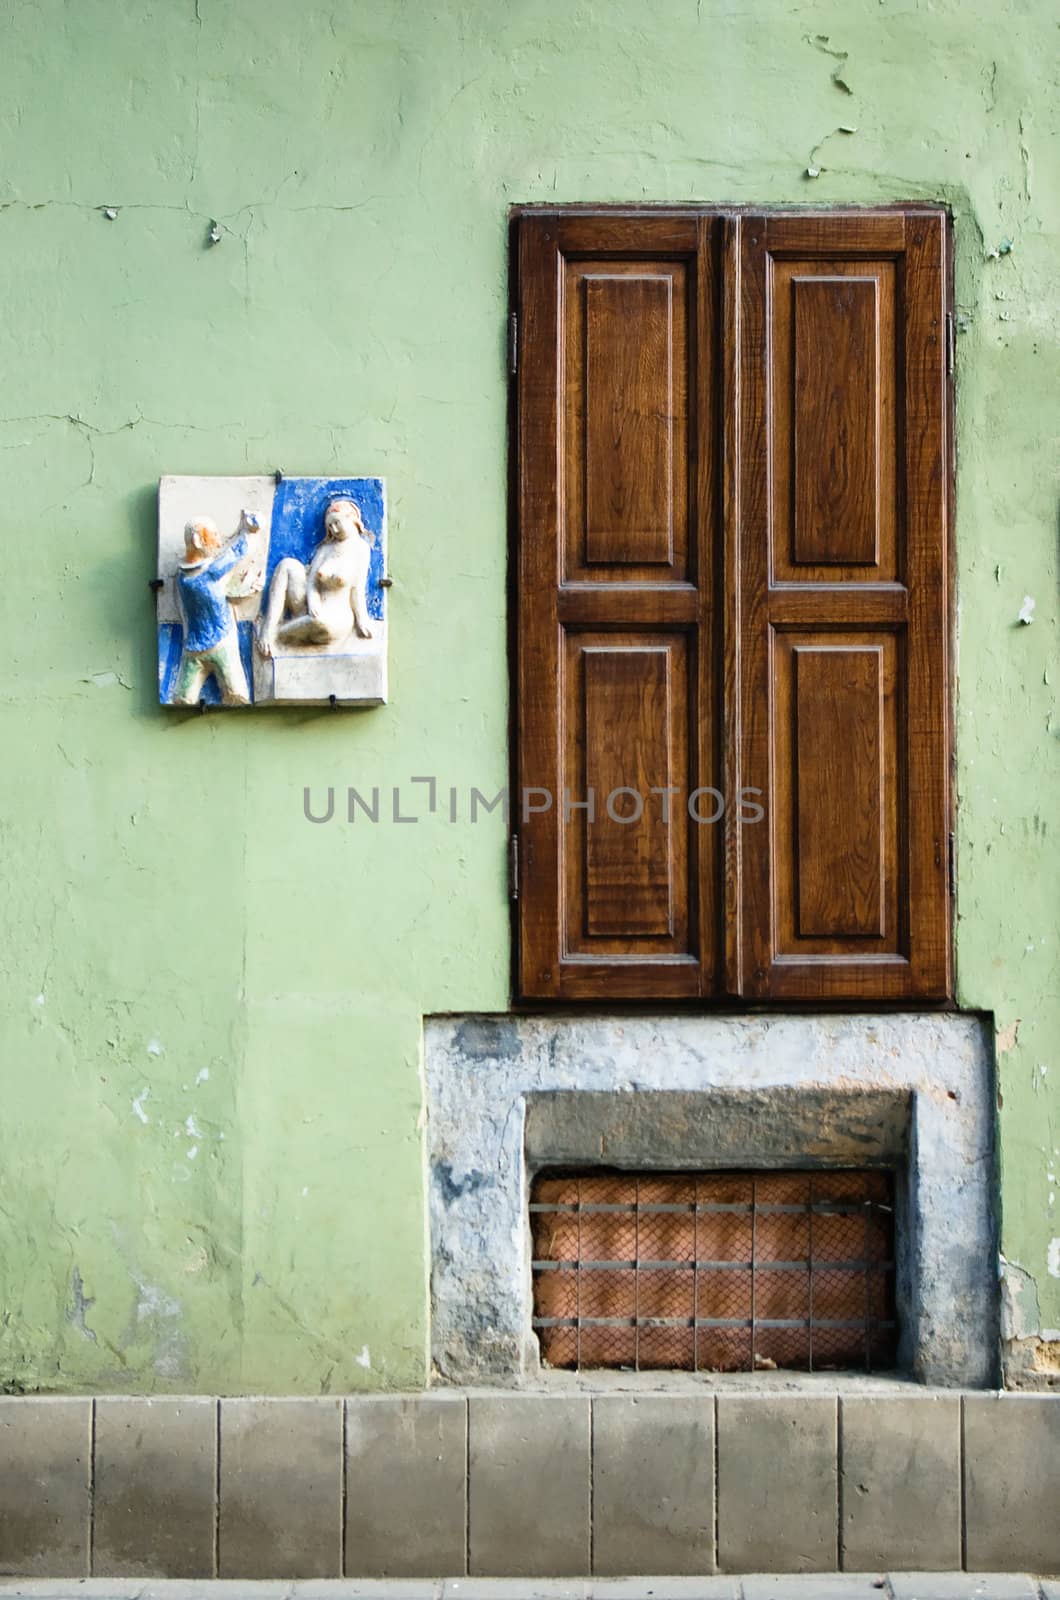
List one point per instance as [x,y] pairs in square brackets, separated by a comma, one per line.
[509,1095]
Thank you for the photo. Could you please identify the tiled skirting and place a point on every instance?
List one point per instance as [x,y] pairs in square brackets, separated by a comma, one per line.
[506,1484]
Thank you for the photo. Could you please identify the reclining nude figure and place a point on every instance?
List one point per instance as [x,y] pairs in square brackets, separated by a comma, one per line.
[323,602]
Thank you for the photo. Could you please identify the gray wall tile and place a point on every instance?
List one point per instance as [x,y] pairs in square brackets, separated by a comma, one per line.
[528,1486]
[281,1489]
[777,1508]
[901,1481]
[653,1484]
[1012,1482]
[155,1488]
[45,1486]
[406,1487]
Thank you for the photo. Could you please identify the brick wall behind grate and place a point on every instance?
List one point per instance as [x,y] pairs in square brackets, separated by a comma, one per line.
[715,1272]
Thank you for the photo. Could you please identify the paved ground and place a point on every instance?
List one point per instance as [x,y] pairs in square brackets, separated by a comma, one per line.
[826,1586]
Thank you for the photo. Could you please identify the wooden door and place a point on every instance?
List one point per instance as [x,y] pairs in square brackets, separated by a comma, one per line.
[731,495]
[616,689]
[843,891]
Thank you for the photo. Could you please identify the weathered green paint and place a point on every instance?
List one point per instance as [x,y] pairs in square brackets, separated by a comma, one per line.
[168,909]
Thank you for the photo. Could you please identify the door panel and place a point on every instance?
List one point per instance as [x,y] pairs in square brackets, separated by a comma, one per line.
[833,425]
[843,635]
[618,640]
[626,748]
[837,804]
[625,420]
[631,417]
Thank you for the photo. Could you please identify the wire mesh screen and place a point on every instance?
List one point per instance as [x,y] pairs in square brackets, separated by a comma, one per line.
[715,1272]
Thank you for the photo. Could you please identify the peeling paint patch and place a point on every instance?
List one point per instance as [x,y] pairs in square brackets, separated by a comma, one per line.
[156,1307]
[815,167]
[138,1104]
[1052,1258]
[106,680]
[1008,1038]
[202,1076]
[821,41]
[1026,611]
[82,1304]
[153,1047]
[1019,1302]
[364,1359]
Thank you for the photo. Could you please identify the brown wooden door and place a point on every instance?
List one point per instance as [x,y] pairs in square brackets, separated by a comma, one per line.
[843,890]
[731,502]
[617,441]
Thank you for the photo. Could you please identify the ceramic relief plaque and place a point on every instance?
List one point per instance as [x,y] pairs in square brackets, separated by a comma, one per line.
[271,591]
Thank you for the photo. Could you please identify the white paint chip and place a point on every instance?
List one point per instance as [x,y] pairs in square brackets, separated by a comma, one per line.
[40,999]
[193,1152]
[365,1359]
[203,1075]
[1026,612]
[192,1129]
[106,680]
[1052,1258]
[138,1104]
[153,1047]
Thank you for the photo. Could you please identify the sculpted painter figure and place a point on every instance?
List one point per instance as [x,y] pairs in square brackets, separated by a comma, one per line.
[213,573]
[320,604]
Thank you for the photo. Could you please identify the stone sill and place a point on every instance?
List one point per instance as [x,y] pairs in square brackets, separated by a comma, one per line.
[605,1381]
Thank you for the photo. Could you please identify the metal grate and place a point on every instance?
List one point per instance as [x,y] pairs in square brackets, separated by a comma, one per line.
[715,1272]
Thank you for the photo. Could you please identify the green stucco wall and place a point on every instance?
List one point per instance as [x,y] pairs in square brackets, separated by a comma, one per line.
[168,911]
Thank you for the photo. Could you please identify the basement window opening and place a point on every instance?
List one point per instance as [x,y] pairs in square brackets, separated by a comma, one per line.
[715,1272]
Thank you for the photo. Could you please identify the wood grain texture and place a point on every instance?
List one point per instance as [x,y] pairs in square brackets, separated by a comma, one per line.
[625,737]
[629,418]
[838,864]
[839,789]
[625,404]
[835,466]
[833,437]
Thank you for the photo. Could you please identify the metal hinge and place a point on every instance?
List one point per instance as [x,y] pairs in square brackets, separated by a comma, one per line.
[951,344]
[953,865]
[513,344]
[513,867]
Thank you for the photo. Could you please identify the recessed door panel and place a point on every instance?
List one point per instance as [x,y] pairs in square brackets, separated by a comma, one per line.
[833,422]
[624,822]
[837,796]
[625,421]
